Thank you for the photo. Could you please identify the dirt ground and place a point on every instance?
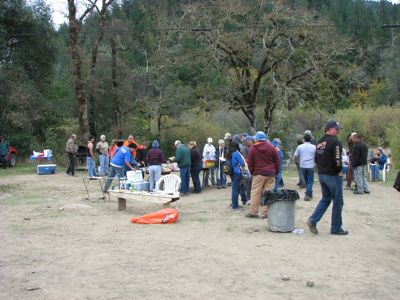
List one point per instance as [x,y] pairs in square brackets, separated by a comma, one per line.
[95,252]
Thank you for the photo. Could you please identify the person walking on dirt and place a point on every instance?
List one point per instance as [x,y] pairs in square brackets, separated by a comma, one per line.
[71,148]
[306,154]
[329,163]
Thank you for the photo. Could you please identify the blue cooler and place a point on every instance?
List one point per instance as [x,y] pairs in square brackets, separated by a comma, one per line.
[140,186]
[46,169]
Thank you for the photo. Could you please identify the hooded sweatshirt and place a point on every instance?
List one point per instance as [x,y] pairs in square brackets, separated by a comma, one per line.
[263,159]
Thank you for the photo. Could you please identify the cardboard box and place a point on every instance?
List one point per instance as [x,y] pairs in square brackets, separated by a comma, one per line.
[46,169]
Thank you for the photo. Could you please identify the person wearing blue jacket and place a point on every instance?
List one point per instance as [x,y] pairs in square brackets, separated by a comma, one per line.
[377,162]
[278,179]
[238,187]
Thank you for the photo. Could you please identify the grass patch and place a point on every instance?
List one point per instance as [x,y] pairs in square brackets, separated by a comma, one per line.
[22,168]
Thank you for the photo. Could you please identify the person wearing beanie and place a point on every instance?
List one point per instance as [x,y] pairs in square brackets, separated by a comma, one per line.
[155,157]
[102,149]
[208,159]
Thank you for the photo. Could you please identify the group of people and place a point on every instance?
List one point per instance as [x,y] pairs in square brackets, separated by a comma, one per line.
[254,164]
[356,161]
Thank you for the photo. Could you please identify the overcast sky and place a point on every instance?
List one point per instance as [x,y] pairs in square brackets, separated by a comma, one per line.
[60,9]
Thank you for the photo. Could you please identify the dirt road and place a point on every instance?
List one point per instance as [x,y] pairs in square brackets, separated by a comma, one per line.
[92,251]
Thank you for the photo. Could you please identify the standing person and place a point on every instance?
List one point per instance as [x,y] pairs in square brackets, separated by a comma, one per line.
[182,157]
[350,171]
[102,149]
[220,159]
[131,140]
[141,153]
[209,157]
[308,132]
[71,148]
[4,148]
[154,158]
[329,162]
[378,161]
[278,179]
[359,161]
[196,165]
[248,142]
[121,159]
[302,182]
[91,157]
[238,187]
[306,154]
[263,163]
[113,148]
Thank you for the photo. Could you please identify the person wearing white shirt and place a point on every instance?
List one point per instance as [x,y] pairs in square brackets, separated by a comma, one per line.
[306,153]
[208,161]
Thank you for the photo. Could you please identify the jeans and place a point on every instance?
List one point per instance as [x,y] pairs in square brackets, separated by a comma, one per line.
[332,191]
[375,172]
[154,175]
[248,187]
[91,166]
[113,171]
[195,173]
[184,173]
[221,177]
[301,177]
[308,174]
[104,161]
[360,179]
[238,187]
[71,164]
[3,161]
[210,172]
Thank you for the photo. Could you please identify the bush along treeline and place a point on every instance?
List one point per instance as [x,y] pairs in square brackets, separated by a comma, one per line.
[192,69]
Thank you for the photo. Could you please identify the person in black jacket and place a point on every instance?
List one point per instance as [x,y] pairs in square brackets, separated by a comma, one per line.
[359,161]
[329,162]
[196,166]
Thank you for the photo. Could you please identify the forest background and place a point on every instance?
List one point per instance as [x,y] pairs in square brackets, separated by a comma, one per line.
[187,70]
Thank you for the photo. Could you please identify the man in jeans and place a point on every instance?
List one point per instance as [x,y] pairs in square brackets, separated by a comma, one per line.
[359,161]
[121,158]
[182,157]
[329,162]
[263,162]
[306,154]
[102,149]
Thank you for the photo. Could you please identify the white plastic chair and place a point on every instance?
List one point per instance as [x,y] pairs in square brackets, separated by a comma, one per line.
[385,170]
[171,184]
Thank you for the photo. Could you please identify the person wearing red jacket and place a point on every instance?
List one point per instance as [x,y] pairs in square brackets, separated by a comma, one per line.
[263,161]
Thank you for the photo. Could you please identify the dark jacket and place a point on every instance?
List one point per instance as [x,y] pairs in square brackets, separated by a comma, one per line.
[155,157]
[218,154]
[182,156]
[263,159]
[359,155]
[195,157]
[329,155]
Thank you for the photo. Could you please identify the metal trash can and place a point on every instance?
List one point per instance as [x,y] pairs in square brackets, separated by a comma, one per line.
[281,209]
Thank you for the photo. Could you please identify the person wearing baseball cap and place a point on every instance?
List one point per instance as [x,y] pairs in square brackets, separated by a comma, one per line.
[208,159]
[263,162]
[329,162]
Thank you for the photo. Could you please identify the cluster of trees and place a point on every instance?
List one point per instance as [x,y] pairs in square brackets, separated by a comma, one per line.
[151,67]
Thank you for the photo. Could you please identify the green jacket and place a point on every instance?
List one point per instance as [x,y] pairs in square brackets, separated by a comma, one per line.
[182,156]
[4,148]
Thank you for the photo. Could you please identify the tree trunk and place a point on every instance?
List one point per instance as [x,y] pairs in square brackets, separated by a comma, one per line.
[74,27]
[115,99]
[269,108]
[95,50]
